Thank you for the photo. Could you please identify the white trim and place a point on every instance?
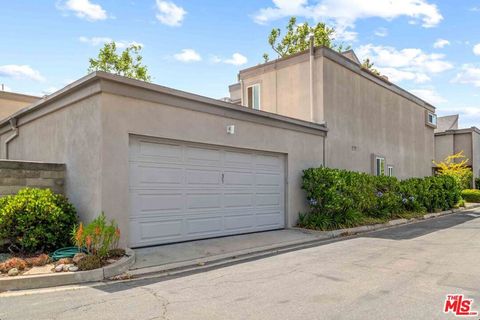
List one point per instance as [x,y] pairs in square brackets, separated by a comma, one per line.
[376,165]
[434,118]
[259,95]
[390,168]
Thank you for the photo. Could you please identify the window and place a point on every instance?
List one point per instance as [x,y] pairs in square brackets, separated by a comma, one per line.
[253,97]
[379,166]
[432,118]
[390,171]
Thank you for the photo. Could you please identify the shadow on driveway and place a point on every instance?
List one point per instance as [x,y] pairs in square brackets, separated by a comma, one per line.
[411,231]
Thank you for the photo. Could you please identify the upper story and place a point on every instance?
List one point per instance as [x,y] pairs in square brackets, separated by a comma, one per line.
[309,84]
[370,120]
[11,102]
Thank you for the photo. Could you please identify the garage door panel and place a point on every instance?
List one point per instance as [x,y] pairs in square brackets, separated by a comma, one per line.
[177,192]
[238,200]
[165,153]
[202,200]
[148,203]
[202,176]
[146,174]
[236,178]
[202,157]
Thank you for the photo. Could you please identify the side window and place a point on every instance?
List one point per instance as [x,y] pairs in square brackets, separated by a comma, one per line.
[253,96]
[431,118]
[390,171]
[379,166]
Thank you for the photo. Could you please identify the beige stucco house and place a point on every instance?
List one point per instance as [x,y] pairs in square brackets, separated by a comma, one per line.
[449,140]
[168,165]
[374,126]
[11,102]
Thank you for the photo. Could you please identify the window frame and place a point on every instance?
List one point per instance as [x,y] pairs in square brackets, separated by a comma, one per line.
[378,171]
[252,106]
[390,170]
[434,118]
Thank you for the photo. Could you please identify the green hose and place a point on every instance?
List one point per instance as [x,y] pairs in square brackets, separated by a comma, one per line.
[68,252]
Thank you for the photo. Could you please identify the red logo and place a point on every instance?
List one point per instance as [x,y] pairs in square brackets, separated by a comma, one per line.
[459,305]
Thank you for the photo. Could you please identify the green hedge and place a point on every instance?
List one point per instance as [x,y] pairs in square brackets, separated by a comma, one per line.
[36,220]
[471,195]
[341,198]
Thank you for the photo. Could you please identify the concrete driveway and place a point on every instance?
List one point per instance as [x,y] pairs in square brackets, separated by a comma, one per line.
[401,273]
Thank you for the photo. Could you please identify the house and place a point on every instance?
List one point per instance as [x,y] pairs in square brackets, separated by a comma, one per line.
[373,125]
[168,165]
[449,140]
[11,102]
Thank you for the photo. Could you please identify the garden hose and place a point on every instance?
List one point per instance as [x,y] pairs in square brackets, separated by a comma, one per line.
[67,252]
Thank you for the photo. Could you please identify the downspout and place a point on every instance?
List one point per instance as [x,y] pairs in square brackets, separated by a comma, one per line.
[14,128]
[312,58]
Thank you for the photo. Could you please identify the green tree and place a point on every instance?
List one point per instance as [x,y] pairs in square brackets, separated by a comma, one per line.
[128,63]
[297,38]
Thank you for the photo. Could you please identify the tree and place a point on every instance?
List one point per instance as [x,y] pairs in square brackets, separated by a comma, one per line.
[456,166]
[367,64]
[128,63]
[297,38]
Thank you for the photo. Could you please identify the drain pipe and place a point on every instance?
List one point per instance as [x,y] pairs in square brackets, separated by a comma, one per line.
[312,58]
[14,128]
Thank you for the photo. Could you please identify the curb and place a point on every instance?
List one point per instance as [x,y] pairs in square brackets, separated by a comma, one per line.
[68,278]
[226,259]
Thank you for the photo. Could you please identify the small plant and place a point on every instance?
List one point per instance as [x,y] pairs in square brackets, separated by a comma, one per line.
[11,263]
[36,220]
[116,253]
[471,195]
[38,261]
[89,263]
[98,237]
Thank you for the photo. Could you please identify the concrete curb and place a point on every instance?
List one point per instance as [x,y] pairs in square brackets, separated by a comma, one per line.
[259,252]
[68,278]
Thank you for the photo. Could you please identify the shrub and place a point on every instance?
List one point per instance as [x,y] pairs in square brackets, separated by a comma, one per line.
[477,183]
[471,195]
[90,262]
[340,198]
[36,220]
[456,166]
[11,263]
[98,237]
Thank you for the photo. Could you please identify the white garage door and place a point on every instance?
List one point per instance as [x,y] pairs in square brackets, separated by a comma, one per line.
[183,191]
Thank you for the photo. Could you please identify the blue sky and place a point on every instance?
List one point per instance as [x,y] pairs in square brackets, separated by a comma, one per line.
[431,48]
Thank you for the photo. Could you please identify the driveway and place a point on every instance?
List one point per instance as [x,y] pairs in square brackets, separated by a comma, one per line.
[401,273]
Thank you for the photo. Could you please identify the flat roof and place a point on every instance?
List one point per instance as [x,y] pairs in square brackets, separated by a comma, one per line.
[347,63]
[100,76]
[8,95]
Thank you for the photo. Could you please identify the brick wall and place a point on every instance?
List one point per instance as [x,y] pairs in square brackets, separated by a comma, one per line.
[15,175]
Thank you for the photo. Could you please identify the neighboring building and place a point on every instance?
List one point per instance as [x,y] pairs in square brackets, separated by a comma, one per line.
[374,126]
[449,140]
[11,102]
[168,165]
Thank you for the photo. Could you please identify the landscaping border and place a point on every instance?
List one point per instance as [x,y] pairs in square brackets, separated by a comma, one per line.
[68,278]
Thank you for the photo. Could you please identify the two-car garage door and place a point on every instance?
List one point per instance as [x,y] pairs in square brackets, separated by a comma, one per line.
[183,191]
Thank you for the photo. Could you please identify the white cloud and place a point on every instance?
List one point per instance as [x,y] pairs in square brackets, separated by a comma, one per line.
[20,72]
[441,43]
[237,59]
[430,95]
[344,13]
[381,32]
[187,55]
[169,13]
[84,9]
[406,64]
[96,41]
[476,49]
[469,74]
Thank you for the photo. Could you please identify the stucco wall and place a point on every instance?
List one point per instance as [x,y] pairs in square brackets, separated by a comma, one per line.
[123,116]
[364,119]
[87,127]
[10,106]
[69,135]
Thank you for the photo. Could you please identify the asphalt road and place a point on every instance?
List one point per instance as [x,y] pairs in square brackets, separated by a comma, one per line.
[401,273]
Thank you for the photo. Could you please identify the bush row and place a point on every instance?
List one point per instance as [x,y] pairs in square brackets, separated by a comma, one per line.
[471,195]
[340,198]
